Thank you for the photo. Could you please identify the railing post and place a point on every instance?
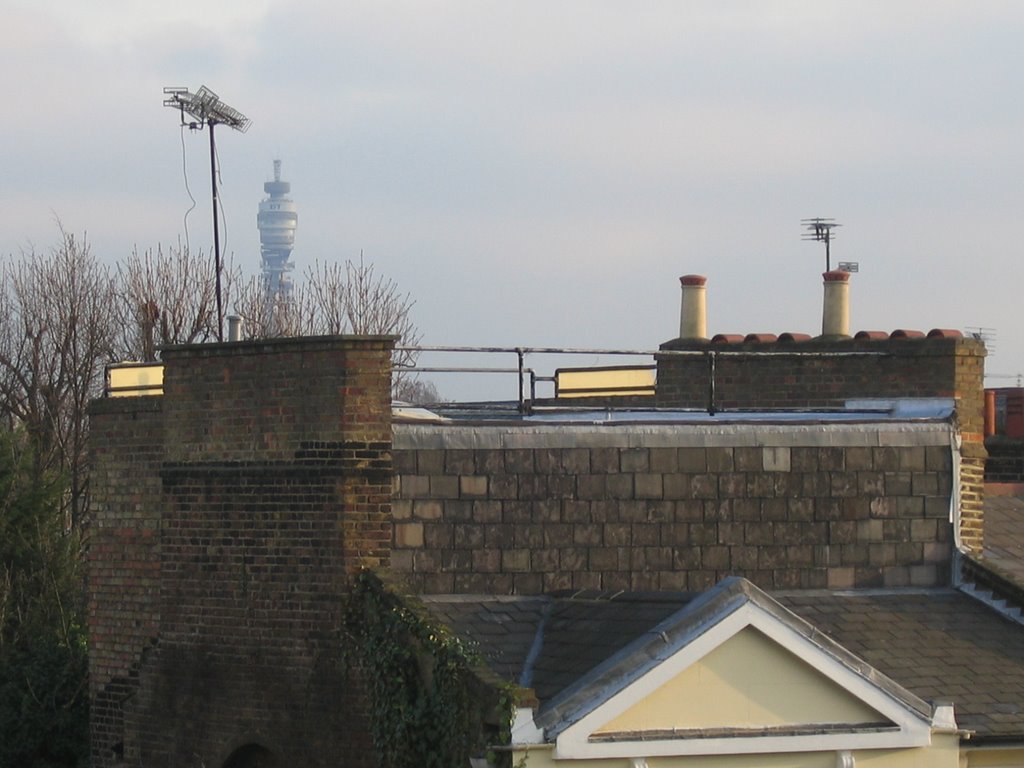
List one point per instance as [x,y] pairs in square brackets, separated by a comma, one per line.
[711,383]
[522,395]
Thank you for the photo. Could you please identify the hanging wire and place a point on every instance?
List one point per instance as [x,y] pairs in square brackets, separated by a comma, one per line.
[184,174]
[220,196]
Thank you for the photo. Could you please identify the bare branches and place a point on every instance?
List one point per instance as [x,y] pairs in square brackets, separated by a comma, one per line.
[333,299]
[355,299]
[409,389]
[277,315]
[63,316]
[56,334]
[166,297]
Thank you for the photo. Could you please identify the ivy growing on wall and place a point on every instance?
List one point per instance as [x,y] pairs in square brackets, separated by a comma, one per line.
[428,706]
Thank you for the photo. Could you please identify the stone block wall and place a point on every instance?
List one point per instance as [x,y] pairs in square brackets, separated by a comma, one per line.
[824,373]
[262,480]
[492,509]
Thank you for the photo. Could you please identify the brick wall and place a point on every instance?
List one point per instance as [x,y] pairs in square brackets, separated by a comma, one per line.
[1005,462]
[124,559]
[267,482]
[825,373]
[490,509]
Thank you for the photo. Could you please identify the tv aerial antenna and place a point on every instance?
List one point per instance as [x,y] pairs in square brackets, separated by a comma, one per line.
[205,108]
[820,230]
[987,336]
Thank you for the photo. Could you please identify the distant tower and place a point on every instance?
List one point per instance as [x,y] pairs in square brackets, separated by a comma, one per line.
[276,222]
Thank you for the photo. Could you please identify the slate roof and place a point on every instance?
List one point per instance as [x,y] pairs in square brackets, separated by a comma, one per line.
[549,642]
[1004,535]
[940,645]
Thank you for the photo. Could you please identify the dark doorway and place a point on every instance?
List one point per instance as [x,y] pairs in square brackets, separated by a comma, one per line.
[251,756]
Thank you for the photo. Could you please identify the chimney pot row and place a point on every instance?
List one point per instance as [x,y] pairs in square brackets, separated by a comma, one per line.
[835,320]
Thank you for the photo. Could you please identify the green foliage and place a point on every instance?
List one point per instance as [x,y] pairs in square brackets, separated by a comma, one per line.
[43,660]
[428,708]
[44,719]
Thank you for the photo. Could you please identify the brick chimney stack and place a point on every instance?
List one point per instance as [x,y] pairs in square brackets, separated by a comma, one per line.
[693,314]
[835,319]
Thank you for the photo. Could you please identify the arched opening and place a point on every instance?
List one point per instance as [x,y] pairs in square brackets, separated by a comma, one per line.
[251,756]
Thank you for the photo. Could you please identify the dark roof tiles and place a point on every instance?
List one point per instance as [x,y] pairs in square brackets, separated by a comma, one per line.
[553,640]
[938,644]
[1004,535]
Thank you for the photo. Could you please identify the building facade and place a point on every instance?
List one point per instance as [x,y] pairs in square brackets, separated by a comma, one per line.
[232,510]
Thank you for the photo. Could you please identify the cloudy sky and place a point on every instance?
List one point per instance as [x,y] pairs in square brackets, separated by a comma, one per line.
[541,173]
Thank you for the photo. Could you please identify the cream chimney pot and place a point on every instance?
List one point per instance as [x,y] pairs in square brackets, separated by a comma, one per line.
[693,313]
[835,318]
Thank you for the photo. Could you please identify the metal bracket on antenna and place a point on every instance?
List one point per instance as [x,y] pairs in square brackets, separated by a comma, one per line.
[820,230]
[205,107]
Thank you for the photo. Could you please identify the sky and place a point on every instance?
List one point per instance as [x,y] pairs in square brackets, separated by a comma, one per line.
[541,173]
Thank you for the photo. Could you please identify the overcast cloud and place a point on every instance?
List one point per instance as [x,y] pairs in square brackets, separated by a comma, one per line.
[541,173]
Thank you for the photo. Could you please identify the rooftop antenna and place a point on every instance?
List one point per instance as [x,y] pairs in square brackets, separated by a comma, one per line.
[206,108]
[987,336]
[820,229]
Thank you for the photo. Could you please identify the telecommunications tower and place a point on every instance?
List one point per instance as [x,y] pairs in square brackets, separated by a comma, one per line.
[276,222]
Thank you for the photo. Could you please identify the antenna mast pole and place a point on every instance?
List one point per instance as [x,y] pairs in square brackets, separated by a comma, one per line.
[206,108]
[216,232]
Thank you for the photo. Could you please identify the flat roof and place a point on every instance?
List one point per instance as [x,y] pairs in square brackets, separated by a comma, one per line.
[868,411]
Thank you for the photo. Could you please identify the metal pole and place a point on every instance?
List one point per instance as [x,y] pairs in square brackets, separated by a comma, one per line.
[216,231]
[711,384]
[522,394]
[828,252]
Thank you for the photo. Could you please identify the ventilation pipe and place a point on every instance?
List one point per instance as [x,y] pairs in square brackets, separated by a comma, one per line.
[835,318]
[693,314]
[234,328]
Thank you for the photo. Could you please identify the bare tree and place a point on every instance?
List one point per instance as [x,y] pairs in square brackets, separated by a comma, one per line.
[56,334]
[353,298]
[409,389]
[276,315]
[166,297]
[334,299]
[63,316]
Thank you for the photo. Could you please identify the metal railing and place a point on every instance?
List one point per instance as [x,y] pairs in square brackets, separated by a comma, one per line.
[133,379]
[528,378]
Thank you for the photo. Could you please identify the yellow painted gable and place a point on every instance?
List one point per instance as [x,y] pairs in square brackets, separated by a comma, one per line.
[748,681]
